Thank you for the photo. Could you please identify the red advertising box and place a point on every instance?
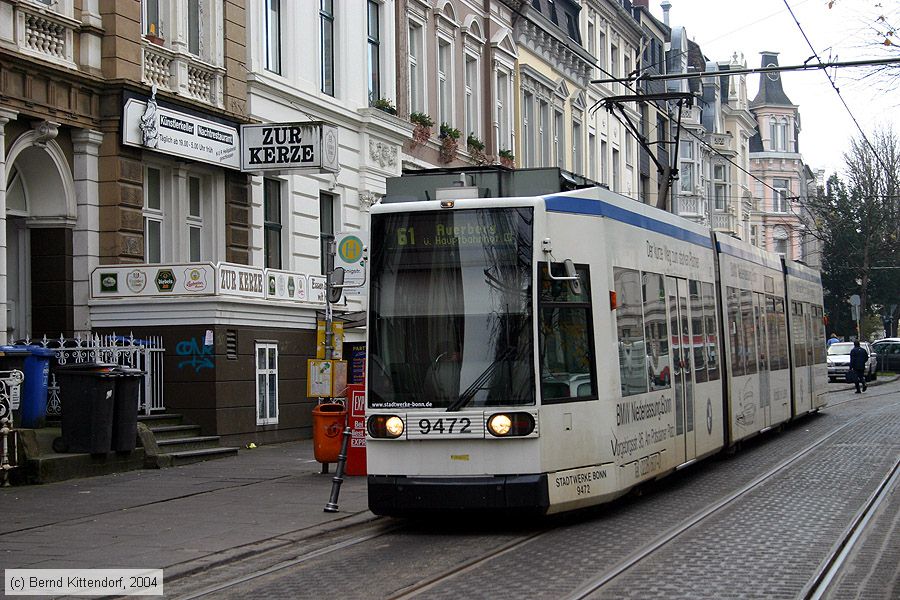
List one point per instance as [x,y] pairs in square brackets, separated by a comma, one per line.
[356,454]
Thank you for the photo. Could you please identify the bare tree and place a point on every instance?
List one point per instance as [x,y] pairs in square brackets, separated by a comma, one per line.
[857,223]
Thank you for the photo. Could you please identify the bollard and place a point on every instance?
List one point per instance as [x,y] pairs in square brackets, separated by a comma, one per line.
[332,505]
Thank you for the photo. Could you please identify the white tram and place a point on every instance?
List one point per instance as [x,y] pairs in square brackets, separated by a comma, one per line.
[495,383]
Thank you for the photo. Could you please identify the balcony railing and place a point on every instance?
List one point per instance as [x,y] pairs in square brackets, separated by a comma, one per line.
[45,34]
[725,222]
[182,73]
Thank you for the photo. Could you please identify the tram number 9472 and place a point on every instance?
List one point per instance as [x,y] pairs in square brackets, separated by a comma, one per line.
[448,425]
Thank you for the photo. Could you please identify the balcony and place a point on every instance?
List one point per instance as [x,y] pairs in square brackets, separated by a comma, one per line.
[183,74]
[45,34]
[691,207]
[725,222]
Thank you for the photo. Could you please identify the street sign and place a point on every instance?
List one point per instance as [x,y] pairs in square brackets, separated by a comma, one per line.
[854,300]
[350,254]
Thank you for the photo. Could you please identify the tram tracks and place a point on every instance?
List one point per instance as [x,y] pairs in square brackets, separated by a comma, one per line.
[597,583]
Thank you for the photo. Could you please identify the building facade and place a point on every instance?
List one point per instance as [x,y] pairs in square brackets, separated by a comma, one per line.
[777,166]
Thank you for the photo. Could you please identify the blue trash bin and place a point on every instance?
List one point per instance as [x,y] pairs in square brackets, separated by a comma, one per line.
[37,372]
[34,362]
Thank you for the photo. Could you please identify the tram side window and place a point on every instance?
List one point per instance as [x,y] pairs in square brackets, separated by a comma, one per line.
[698,339]
[566,338]
[781,327]
[709,320]
[759,318]
[798,330]
[735,331]
[657,335]
[630,332]
[819,334]
[749,339]
[775,333]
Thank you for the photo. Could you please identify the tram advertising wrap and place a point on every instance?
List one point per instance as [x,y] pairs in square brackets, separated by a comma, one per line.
[546,353]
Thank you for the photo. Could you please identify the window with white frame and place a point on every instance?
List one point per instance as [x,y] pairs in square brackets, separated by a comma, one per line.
[273,35]
[615,171]
[153,215]
[272,239]
[720,186]
[445,81]
[686,168]
[592,156]
[373,41]
[783,134]
[773,133]
[503,108]
[152,18]
[326,45]
[601,51]
[195,27]
[614,66]
[779,195]
[559,139]
[544,133]
[416,68]
[780,238]
[472,96]
[195,219]
[754,235]
[604,162]
[577,151]
[180,215]
[592,38]
[527,129]
[266,383]
[327,203]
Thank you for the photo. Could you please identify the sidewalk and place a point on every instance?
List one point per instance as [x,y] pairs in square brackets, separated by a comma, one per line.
[170,518]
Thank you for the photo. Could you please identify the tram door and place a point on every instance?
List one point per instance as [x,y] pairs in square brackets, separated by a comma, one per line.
[682,371]
[808,341]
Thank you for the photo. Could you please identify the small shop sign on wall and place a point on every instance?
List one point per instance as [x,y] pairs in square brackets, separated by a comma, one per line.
[206,279]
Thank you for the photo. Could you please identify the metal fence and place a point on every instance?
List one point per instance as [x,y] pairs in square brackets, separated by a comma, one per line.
[144,354]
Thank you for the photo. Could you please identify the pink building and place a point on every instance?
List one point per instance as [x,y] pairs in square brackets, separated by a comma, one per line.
[775,160]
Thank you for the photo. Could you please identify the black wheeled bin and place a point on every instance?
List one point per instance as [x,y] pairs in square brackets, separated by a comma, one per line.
[125,408]
[86,393]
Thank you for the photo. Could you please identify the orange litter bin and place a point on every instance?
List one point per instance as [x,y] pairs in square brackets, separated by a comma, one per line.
[328,425]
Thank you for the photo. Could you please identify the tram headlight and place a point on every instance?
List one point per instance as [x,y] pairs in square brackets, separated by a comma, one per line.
[517,424]
[385,426]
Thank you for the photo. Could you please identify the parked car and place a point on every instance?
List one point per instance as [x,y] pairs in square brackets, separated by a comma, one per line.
[888,353]
[839,361]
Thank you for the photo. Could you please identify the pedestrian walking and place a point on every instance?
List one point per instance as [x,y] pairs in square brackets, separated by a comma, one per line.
[858,359]
[834,338]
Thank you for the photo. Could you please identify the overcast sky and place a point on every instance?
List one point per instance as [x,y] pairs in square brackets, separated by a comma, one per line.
[845,32]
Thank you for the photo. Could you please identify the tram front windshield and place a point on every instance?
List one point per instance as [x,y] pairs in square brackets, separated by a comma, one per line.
[450,309]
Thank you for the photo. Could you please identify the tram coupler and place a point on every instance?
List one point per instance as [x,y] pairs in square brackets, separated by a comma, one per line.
[332,505]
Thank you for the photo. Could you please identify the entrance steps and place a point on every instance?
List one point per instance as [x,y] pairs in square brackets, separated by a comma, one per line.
[169,441]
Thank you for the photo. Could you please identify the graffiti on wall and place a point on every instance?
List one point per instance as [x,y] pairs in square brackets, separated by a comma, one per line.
[197,356]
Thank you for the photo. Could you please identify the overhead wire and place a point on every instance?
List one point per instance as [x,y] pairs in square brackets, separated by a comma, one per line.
[836,90]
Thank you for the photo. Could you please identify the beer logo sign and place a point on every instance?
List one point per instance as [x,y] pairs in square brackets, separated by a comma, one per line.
[194,280]
[136,281]
[109,282]
[165,280]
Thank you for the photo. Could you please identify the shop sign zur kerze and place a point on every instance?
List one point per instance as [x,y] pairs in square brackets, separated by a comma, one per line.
[311,145]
